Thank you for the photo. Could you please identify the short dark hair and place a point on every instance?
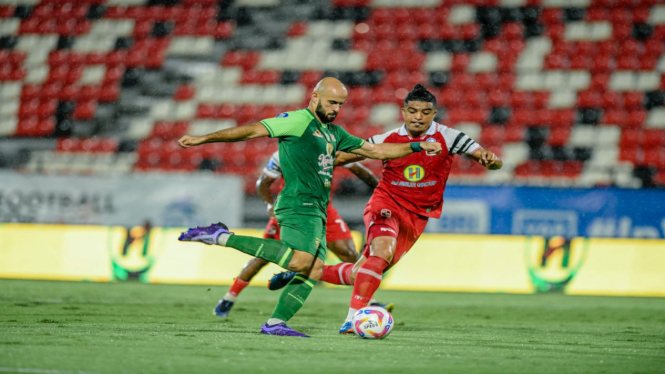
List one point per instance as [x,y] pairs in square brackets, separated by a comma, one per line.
[420,93]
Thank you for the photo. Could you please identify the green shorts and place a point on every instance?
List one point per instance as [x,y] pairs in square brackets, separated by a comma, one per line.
[303,233]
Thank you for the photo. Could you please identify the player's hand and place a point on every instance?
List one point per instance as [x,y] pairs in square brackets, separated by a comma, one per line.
[271,210]
[489,160]
[188,141]
[431,148]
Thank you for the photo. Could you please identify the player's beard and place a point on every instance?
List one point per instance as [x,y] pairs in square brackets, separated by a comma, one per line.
[323,115]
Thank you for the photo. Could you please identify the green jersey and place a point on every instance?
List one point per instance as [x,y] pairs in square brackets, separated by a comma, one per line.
[307,155]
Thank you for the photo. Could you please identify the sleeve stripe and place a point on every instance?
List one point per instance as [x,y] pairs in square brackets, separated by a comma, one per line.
[457,140]
[475,146]
[461,149]
[469,146]
[272,173]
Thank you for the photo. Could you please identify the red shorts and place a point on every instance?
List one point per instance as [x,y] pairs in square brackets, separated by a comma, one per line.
[384,217]
[336,228]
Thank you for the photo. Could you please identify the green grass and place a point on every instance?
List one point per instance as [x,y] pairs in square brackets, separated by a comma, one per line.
[138,328]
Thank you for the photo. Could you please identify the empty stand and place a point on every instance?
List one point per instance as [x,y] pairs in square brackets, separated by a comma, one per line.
[567,92]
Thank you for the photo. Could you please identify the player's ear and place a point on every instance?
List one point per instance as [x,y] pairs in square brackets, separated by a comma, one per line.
[315,98]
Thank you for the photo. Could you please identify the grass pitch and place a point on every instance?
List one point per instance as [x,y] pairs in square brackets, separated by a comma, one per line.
[66,327]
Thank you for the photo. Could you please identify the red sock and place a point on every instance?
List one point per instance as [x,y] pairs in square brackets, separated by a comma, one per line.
[368,280]
[338,274]
[238,286]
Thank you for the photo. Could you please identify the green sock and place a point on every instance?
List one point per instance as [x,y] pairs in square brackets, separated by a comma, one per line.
[293,297]
[267,249]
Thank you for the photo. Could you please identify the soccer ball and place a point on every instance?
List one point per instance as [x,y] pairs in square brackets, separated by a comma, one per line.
[372,322]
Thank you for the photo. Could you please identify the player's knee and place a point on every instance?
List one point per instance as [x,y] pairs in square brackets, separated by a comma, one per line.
[300,262]
[383,247]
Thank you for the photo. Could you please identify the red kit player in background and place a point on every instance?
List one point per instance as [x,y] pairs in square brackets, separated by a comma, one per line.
[410,192]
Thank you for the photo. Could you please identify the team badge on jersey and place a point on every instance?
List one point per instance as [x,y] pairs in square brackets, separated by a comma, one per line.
[430,140]
[414,173]
[318,134]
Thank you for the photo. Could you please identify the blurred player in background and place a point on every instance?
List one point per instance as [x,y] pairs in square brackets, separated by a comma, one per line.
[410,192]
[308,144]
[338,234]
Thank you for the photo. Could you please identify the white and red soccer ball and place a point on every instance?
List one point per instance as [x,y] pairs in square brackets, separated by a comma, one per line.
[372,322]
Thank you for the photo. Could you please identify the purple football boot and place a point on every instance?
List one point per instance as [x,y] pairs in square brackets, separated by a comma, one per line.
[206,235]
[281,329]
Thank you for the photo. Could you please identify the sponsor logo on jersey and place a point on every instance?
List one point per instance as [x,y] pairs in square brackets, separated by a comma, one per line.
[414,173]
[327,161]
[282,115]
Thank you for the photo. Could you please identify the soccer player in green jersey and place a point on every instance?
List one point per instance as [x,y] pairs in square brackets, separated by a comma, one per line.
[308,142]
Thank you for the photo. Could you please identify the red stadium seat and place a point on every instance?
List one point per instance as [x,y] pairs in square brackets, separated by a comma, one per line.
[611,100]
[68,93]
[89,93]
[636,118]
[614,116]
[184,92]
[226,111]
[109,93]
[84,110]
[514,133]
[588,99]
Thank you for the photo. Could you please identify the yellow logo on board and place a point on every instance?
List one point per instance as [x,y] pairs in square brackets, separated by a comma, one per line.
[414,173]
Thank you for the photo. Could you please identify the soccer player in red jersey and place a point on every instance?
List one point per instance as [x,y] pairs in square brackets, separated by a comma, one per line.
[338,234]
[410,192]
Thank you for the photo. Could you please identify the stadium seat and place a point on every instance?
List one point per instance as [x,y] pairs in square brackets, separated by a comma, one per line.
[598,63]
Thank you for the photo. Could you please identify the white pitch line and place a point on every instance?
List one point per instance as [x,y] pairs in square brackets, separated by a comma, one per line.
[42,371]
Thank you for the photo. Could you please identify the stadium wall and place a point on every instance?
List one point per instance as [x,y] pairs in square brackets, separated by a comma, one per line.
[568,212]
[460,263]
[126,200]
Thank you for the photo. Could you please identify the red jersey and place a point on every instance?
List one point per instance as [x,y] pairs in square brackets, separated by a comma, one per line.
[417,181]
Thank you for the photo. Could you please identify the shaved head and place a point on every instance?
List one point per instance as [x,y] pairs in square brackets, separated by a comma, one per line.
[330,85]
[327,99]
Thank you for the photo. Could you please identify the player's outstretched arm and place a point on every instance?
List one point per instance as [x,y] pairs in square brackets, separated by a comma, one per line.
[234,134]
[487,158]
[343,158]
[364,174]
[385,151]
